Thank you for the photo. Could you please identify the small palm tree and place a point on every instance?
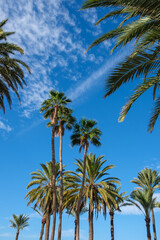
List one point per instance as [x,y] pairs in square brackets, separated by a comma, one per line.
[84,132]
[51,108]
[11,72]
[150,180]
[144,201]
[42,193]
[19,222]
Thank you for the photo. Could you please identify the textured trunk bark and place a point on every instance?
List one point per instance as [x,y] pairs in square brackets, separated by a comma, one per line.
[17,234]
[154,225]
[54,173]
[147,219]
[90,223]
[61,185]
[42,228]
[80,195]
[112,224]
[47,226]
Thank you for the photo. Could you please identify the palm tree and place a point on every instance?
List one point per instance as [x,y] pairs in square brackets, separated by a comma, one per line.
[143,27]
[144,201]
[97,185]
[113,206]
[19,222]
[149,180]
[51,108]
[42,193]
[65,120]
[84,132]
[11,72]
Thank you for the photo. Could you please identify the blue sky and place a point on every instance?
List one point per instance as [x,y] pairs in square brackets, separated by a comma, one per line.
[54,35]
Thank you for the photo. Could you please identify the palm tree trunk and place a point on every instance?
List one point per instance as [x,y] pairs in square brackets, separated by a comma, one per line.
[90,223]
[17,234]
[75,222]
[154,225]
[111,213]
[147,219]
[54,172]
[61,185]
[81,192]
[42,228]
[47,226]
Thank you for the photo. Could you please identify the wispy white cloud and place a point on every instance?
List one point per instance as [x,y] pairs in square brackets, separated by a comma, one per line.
[96,76]
[52,40]
[5,127]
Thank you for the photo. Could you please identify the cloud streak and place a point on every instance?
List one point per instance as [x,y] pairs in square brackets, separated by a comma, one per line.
[98,75]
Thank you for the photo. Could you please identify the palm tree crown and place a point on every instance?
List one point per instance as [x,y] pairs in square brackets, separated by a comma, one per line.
[85,131]
[19,222]
[11,73]
[42,180]
[57,99]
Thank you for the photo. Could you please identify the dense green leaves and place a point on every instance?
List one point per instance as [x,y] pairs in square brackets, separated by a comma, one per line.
[11,72]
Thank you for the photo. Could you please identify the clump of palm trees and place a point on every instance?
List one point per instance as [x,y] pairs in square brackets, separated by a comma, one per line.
[89,188]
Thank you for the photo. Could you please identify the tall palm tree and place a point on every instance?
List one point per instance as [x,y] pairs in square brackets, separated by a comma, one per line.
[84,132]
[65,120]
[150,180]
[11,72]
[113,206]
[142,27]
[19,222]
[97,185]
[42,193]
[144,201]
[51,107]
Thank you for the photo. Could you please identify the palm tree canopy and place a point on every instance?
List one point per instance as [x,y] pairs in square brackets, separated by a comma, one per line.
[96,185]
[56,99]
[142,199]
[65,120]
[148,179]
[42,192]
[19,222]
[11,72]
[140,22]
[86,131]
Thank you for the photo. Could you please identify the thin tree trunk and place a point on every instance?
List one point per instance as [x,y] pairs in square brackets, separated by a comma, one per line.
[81,192]
[154,225]
[61,185]
[54,172]
[42,228]
[147,219]
[17,234]
[75,222]
[90,223]
[47,226]
[112,224]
